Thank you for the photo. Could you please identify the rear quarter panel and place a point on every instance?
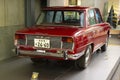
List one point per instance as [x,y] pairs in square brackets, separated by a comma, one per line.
[88,36]
[82,39]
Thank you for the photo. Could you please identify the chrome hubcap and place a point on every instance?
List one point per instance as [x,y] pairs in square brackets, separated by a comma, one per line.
[87,56]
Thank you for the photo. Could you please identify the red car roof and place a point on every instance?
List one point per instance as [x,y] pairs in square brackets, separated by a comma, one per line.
[66,8]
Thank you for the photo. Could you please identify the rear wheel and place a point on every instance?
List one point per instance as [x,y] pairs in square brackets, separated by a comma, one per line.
[83,61]
[104,47]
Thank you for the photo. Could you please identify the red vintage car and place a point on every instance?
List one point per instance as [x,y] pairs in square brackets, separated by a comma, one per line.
[64,33]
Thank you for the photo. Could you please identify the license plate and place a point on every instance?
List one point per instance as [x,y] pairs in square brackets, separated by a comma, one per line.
[42,43]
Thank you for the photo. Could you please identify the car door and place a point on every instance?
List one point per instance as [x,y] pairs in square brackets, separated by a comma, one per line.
[102,26]
[95,28]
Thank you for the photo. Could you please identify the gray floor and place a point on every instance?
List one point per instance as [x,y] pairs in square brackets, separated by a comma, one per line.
[114,40]
[116,75]
[101,66]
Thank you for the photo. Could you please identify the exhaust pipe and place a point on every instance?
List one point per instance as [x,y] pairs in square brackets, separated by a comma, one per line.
[65,55]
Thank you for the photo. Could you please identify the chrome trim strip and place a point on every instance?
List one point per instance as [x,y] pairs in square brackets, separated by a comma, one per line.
[60,55]
[76,56]
[26,40]
[61,43]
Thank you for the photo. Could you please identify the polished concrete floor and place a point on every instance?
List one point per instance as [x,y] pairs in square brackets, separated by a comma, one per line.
[114,40]
[101,67]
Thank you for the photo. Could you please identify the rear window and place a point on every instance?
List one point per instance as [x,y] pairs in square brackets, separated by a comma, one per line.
[73,18]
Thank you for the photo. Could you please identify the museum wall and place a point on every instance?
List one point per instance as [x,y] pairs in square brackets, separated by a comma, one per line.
[11,19]
[61,2]
[93,3]
[37,8]
[57,2]
[88,3]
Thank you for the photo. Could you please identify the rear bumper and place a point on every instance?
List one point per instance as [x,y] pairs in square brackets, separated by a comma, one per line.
[62,55]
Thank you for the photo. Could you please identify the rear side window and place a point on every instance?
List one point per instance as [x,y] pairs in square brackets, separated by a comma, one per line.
[58,17]
[91,17]
[98,16]
[49,17]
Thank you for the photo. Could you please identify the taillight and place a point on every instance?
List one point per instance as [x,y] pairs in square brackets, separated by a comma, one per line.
[19,39]
[19,36]
[67,43]
[67,39]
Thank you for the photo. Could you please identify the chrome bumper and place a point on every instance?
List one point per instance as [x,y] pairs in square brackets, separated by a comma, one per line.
[63,55]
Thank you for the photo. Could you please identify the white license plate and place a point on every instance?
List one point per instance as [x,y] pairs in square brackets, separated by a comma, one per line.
[42,43]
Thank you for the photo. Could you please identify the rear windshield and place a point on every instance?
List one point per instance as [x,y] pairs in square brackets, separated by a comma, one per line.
[73,18]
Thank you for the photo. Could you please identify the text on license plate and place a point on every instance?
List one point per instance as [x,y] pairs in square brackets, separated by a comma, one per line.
[42,43]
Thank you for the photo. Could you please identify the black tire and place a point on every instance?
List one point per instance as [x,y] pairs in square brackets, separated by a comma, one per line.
[104,47]
[84,61]
[35,60]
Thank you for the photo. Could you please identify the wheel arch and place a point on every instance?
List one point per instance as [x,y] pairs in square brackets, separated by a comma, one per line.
[92,45]
[108,33]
